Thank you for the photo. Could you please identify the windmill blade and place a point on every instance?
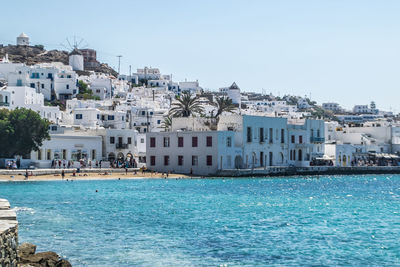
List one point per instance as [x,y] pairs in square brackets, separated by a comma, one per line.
[71,47]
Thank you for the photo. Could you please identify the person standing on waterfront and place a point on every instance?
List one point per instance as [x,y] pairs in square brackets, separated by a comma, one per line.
[62,174]
[26,174]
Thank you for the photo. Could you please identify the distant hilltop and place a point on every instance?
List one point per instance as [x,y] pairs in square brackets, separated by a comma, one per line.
[31,55]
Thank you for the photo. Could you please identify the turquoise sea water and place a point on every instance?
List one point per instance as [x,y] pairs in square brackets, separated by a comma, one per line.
[325,221]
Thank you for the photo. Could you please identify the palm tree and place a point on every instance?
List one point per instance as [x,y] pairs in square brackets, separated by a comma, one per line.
[223,104]
[167,123]
[186,106]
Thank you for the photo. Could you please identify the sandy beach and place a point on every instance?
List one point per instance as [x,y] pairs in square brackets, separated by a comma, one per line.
[101,175]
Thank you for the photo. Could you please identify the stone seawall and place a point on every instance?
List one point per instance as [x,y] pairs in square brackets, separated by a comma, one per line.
[8,235]
[315,170]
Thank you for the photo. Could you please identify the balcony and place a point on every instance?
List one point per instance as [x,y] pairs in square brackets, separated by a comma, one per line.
[4,104]
[121,146]
[317,139]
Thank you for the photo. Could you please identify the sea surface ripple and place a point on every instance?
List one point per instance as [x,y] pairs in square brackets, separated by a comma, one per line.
[296,221]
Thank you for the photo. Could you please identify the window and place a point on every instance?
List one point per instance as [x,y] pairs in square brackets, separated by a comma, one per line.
[110,117]
[166,160]
[293,139]
[318,133]
[229,141]
[271,139]
[248,134]
[209,160]
[112,139]
[32,85]
[152,142]
[39,154]
[180,160]
[78,116]
[141,140]
[312,132]
[194,141]
[300,139]
[180,141]
[300,155]
[261,135]
[48,154]
[42,85]
[195,160]
[152,160]
[67,86]
[282,136]
[64,154]
[166,141]
[129,140]
[93,154]
[209,141]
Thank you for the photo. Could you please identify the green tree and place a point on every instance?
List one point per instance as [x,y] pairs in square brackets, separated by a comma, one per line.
[83,87]
[21,130]
[186,106]
[167,123]
[223,104]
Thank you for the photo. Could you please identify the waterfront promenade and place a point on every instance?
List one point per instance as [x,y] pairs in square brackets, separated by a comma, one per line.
[132,173]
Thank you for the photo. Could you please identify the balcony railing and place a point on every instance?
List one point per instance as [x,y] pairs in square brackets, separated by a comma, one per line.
[4,104]
[317,139]
[122,146]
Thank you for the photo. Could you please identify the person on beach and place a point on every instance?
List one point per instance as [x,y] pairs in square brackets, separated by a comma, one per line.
[62,174]
[126,171]
[26,174]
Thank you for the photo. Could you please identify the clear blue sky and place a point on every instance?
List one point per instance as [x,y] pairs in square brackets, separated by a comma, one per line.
[344,51]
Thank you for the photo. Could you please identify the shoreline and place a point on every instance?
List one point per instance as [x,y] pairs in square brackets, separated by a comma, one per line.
[83,175]
[120,174]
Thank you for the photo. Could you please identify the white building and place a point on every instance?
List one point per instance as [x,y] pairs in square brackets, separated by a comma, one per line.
[201,153]
[247,142]
[334,107]
[53,80]
[101,86]
[76,60]
[23,39]
[12,97]
[68,145]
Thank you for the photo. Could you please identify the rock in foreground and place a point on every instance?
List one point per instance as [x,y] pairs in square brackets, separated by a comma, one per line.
[28,257]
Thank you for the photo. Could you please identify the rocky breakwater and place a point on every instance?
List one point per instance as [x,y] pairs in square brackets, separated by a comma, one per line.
[29,258]
[12,255]
[8,235]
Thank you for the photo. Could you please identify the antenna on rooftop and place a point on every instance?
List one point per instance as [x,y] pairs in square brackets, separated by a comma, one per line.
[119,63]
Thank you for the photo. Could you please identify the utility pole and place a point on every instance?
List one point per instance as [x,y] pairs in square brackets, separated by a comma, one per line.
[119,63]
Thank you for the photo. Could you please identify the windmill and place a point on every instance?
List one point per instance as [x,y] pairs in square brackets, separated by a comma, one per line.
[74,45]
